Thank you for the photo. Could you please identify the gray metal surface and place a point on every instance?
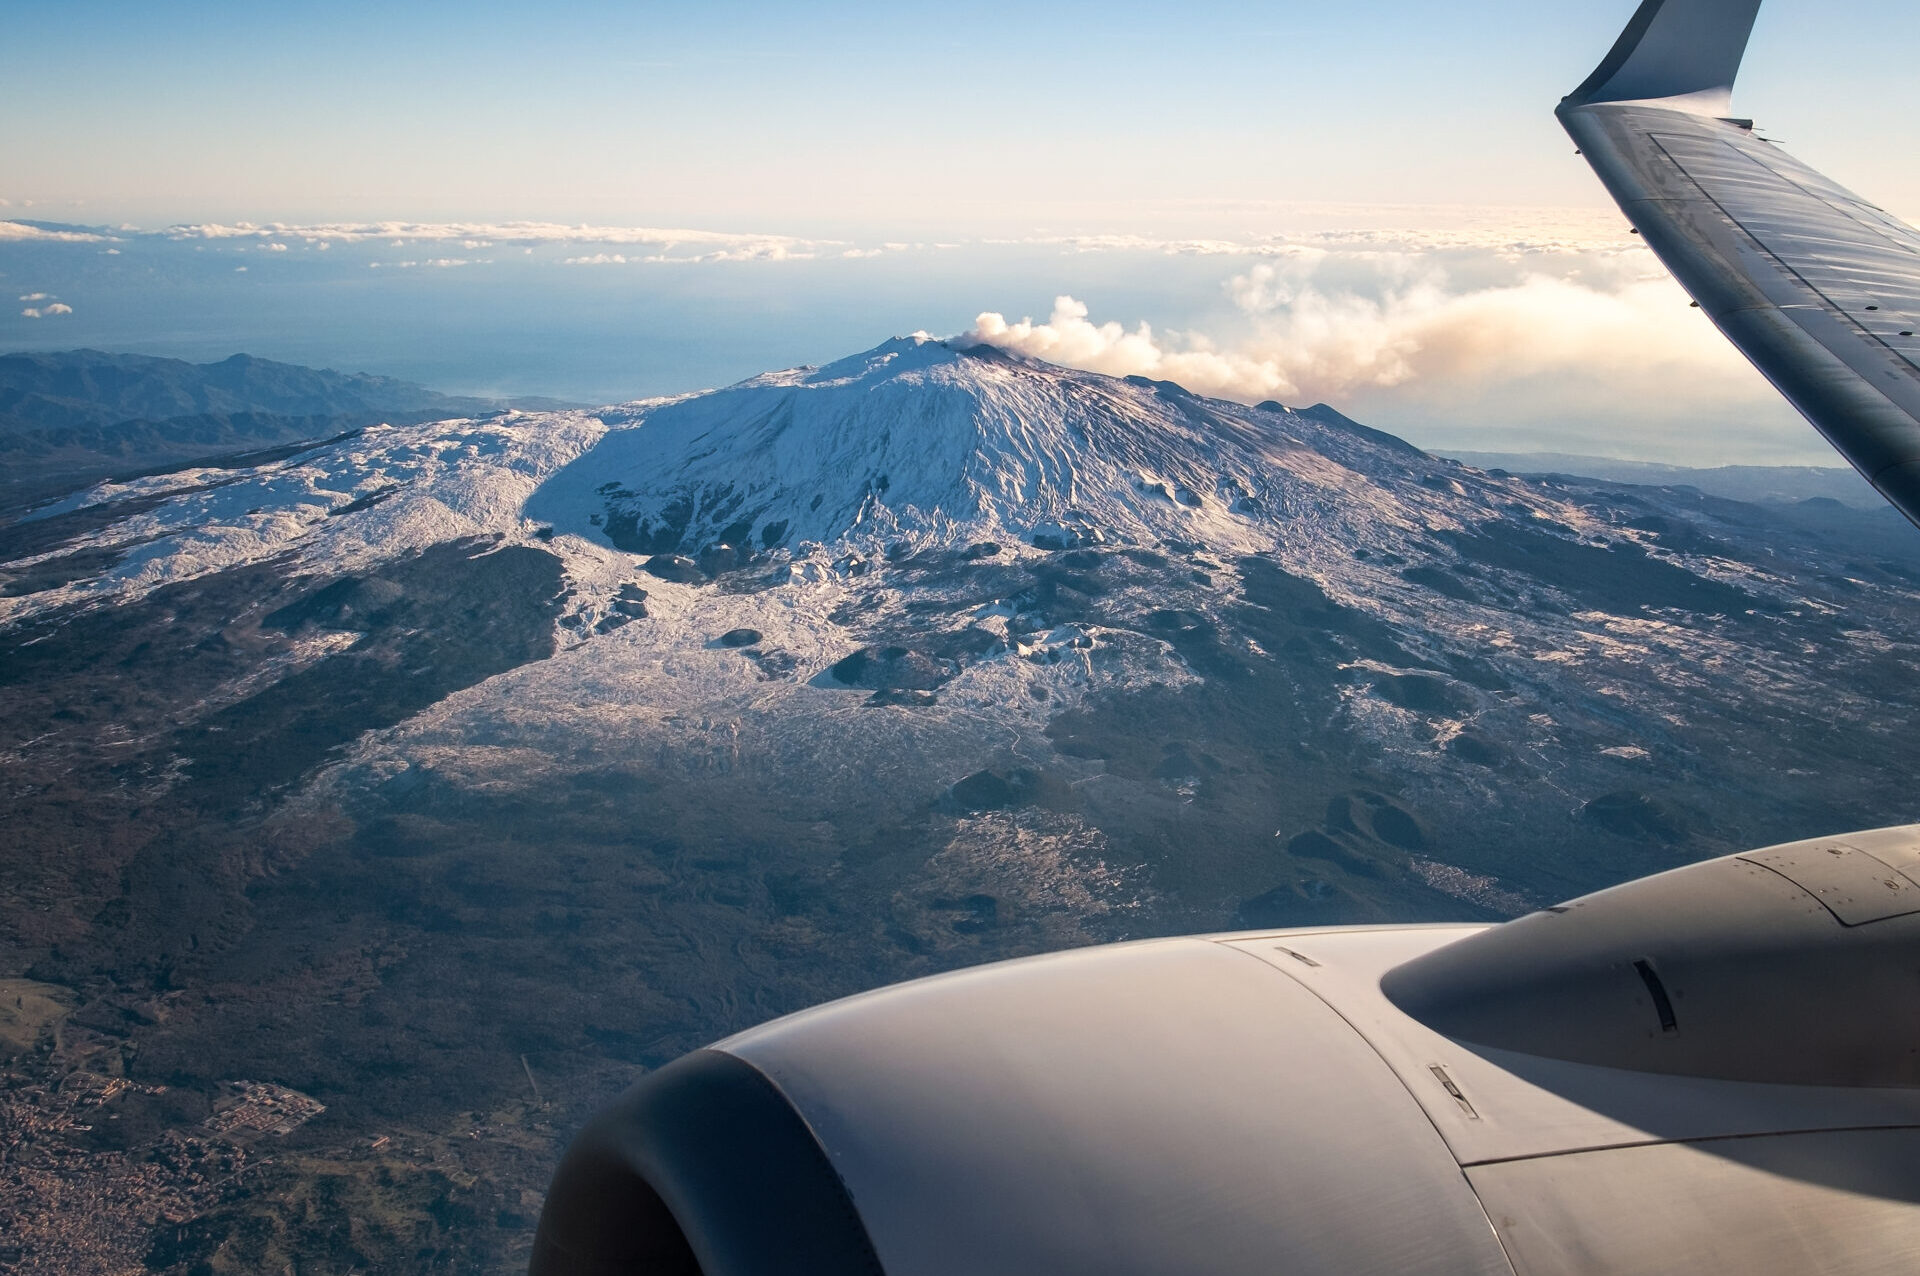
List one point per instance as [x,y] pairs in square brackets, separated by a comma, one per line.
[1675,48]
[1852,884]
[1529,1106]
[1818,287]
[1747,1206]
[1766,976]
[1134,1111]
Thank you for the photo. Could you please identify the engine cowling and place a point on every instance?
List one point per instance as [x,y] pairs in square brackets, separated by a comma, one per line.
[1394,1100]
[1159,1107]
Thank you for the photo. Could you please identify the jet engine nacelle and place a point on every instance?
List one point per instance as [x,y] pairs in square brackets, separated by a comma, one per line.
[1634,1082]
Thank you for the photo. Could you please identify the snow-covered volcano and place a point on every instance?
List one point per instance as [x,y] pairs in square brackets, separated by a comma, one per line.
[922,441]
[461,750]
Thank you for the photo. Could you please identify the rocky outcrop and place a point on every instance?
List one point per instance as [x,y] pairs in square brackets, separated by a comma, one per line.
[892,669]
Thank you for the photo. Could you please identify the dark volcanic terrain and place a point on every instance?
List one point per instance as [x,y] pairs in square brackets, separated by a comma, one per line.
[447,776]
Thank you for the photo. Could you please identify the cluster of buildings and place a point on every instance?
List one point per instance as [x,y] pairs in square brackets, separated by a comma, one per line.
[78,1202]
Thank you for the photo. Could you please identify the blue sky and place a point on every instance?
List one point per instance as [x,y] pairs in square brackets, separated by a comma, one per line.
[791,117]
[1354,173]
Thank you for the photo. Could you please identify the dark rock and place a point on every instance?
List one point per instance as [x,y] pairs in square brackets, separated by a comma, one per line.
[1476,748]
[1397,826]
[773,664]
[1308,903]
[1442,582]
[1633,814]
[995,790]
[965,643]
[1621,579]
[740,638]
[1182,762]
[982,913]
[1355,853]
[1422,693]
[983,549]
[891,669]
[366,502]
[631,602]
[717,560]
[677,568]
[1370,815]
[901,699]
[348,603]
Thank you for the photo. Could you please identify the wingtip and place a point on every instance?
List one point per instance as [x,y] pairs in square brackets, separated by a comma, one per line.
[1684,51]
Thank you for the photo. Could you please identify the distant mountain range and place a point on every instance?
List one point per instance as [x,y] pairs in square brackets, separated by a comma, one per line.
[1767,484]
[79,415]
[425,767]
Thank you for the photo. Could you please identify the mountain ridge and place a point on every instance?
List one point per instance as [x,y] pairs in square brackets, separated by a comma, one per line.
[70,416]
[1772,484]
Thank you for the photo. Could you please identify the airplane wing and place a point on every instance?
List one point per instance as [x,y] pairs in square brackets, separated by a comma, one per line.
[1818,287]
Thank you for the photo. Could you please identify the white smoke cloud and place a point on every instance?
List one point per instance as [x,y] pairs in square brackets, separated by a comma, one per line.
[1301,343]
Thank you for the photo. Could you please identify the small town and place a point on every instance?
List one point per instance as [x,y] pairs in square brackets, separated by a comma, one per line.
[74,1198]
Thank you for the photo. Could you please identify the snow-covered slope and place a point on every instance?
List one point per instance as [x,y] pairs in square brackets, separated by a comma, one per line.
[921,441]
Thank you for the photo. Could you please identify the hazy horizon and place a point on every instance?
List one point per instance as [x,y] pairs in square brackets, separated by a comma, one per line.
[1374,207]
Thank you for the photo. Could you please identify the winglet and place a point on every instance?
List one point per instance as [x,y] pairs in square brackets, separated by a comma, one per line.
[1675,49]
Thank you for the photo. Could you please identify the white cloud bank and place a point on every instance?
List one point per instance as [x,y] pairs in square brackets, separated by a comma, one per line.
[19,232]
[668,244]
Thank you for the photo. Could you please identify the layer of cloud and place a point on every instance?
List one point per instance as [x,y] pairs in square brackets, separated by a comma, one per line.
[1515,233]
[435,263]
[20,232]
[667,244]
